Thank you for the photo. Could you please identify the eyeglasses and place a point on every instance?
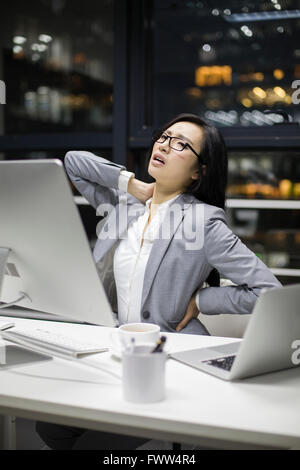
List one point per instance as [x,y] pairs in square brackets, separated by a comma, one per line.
[175,143]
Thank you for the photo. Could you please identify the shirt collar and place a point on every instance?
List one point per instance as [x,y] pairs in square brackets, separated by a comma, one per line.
[163,205]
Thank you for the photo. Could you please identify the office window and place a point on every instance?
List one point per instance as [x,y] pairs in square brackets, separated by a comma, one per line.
[267,174]
[263,207]
[227,61]
[57,64]
[273,234]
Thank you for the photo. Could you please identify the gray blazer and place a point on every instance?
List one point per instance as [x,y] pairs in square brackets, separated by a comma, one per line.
[193,240]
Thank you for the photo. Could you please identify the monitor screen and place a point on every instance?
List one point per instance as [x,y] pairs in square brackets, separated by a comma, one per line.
[49,257]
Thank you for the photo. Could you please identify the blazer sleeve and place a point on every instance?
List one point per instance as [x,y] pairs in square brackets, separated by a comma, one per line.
[95,177]
[226,252]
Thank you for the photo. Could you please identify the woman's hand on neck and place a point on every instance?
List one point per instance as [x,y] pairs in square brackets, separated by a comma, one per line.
[144,191]
[140,190]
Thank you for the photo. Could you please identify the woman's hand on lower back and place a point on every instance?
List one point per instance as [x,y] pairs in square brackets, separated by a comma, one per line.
[191,312]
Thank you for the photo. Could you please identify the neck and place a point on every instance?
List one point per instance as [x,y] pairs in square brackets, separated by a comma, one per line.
[162,194]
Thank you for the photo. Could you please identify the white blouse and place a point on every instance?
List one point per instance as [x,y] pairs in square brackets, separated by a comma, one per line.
[130,261]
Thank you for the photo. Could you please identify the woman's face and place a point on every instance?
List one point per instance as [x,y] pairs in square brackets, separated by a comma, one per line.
[178,169]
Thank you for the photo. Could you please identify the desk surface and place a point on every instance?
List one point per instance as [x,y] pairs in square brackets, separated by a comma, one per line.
[199,408]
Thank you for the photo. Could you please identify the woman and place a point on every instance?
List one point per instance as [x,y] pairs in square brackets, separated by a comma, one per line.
[165,239]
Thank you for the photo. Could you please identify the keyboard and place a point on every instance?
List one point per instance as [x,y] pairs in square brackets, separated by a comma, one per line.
[222,362]
[5,324]
[51,342]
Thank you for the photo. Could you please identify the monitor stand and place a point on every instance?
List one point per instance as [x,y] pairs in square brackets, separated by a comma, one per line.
[4,252]
[15,355]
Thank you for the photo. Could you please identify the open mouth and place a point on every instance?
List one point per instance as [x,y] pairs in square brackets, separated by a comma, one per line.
[157,159]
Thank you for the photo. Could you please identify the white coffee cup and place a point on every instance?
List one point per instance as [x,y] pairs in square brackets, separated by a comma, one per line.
[134,333]
[143,374]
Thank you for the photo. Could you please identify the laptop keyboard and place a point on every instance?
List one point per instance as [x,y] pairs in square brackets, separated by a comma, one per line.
[222,362]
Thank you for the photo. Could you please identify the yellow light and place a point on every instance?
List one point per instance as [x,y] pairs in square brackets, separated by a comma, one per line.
[194,92]
[213,75]
[246,102]
[250,189]
[279,91]
[278,74]
[297,71]
[259,92]
[248,77]
[285,188]
[297,195]
[259,76]
[297,238]
[288,99]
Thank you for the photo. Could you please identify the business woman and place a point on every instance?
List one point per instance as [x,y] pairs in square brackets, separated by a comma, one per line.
[165,239]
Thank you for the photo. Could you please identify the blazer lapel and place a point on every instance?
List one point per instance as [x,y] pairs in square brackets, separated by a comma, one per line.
[166,234]
[115,227]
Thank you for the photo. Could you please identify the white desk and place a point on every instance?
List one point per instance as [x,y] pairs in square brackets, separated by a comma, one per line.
[199,408]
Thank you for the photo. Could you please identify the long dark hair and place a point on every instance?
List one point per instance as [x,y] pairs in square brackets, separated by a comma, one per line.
[211,185]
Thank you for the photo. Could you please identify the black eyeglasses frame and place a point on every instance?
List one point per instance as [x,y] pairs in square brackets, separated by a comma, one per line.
[156,137]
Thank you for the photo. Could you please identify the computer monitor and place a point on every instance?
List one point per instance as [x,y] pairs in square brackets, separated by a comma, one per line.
[49,257]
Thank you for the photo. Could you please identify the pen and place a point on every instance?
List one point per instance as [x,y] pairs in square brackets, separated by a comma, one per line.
[160,344]
[132,346]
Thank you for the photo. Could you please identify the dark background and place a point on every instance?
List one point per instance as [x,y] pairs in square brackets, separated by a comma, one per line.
[102,75]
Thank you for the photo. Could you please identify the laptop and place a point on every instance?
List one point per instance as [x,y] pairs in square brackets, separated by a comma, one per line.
[271,341]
